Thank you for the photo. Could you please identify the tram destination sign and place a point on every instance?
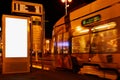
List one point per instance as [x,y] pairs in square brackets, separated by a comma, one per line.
[27,7]
[91,20]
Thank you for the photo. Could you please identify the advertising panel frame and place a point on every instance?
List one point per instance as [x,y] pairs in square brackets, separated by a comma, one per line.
[15,64]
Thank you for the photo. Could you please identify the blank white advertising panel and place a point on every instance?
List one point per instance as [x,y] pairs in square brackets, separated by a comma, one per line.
[16,37]
[15,44]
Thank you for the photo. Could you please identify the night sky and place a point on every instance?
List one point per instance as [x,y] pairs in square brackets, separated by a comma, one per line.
[54,10]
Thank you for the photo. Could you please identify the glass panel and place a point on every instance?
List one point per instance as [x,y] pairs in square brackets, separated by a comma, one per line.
[59,45]
[80,44]
[65,43]
[105,41]
[62,43]
[16,37]
[79,30]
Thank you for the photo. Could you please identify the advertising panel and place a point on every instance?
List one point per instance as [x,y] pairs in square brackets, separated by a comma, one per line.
[16,37]
[16,40]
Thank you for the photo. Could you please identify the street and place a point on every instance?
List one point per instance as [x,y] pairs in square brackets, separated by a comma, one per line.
[38,74]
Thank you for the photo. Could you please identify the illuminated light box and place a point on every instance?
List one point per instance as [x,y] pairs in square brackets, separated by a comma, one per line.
[16,37]
[16,44]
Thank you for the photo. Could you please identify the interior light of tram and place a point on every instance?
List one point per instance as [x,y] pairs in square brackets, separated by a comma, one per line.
[85,31]
[78,28]
[81,30]
[105,26]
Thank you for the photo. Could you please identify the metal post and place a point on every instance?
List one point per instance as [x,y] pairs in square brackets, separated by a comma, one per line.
[66,7]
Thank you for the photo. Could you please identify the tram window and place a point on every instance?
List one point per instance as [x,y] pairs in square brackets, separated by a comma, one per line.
[59,48]
[62,43]
[80,31]
[105,41]
[80,44]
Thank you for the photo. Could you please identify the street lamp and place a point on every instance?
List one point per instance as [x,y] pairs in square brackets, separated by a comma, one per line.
[66,5]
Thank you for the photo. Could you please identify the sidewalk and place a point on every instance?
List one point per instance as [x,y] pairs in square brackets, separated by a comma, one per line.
[37,74]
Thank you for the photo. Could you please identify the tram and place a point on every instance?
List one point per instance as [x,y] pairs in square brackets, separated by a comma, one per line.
[89,36]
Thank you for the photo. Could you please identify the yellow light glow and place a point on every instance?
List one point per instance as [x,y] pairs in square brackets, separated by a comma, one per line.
[78,28]
[69,0]
[35,66]
[105,26]
[47,41]
[40,67]
[85,31]
[63,1]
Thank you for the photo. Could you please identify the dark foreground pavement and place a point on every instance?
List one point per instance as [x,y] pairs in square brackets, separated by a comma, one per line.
[37,74]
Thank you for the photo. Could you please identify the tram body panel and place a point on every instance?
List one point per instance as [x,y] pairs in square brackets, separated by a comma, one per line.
[90,8]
